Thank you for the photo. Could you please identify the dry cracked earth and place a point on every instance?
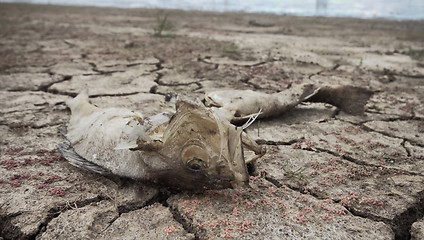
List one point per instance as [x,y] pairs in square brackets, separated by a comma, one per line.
[327,174]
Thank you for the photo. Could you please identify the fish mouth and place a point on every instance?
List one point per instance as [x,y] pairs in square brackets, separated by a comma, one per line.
[239,184]
[195,181]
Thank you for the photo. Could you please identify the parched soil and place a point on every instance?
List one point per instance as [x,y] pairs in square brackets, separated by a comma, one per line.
[327,174]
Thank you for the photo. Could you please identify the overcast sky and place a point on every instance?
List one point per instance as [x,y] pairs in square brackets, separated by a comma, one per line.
[397,9]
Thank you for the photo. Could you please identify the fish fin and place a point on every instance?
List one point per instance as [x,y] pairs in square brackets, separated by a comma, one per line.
[75,159]
[237,163]
[125,145]
[350,99]
[210,100]
[138,134]
[63,129]
[150,124]
[251,119]
[81,97]
[80,105]
[132,132]
[252,150]
[309,90]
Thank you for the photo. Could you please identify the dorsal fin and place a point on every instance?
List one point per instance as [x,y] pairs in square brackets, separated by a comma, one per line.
[80,106]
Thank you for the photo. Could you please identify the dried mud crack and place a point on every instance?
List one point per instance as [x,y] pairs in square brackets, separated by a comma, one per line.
[55,212]
[45,88]
[401,224]
[327,174]
[52,213]
[185,223]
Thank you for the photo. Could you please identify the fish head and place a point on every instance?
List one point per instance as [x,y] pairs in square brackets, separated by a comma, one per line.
[202,150]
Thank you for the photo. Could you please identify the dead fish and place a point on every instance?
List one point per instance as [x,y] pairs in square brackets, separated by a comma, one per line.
[240,105]
[190,149]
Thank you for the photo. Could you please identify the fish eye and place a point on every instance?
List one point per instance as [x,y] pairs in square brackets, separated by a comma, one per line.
[194,157]
[195,163]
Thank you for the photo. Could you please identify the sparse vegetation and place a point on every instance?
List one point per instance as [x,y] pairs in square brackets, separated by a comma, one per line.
[163,24]
[361,61]
[259,126]
[232,50]
[417,54]
[291,173]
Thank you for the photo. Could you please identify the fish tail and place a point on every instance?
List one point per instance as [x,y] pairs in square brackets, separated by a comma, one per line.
[350,99]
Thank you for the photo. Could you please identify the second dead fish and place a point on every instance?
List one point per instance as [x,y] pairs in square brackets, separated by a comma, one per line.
[240,105]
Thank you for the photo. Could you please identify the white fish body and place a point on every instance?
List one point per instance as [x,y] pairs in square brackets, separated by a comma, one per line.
[189,149]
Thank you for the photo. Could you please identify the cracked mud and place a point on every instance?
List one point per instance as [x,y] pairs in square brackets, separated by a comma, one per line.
[327,174]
